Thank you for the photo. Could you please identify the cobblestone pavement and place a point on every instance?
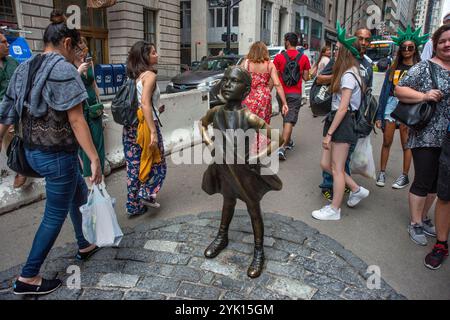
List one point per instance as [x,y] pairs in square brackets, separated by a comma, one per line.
[164,260]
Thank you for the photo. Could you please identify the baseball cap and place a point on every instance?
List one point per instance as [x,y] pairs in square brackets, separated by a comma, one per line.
[447,17]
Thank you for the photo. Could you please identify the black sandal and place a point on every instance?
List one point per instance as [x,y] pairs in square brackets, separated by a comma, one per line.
[83,256]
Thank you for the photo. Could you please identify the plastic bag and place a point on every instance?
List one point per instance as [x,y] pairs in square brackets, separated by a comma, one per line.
[100,224]
[362,159]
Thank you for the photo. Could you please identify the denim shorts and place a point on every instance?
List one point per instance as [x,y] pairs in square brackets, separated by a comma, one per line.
[390,107]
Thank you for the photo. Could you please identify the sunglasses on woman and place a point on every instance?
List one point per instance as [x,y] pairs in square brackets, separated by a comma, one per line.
[408,48]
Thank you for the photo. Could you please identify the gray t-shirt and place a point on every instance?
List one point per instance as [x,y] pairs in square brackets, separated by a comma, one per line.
[348,81]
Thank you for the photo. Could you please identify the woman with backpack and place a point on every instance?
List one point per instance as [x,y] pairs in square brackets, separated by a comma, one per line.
[407,56]
[143,143]
[45,97]
[339,129]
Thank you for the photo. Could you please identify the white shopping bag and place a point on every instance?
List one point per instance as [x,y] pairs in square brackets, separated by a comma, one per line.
[100,224]
[362,159]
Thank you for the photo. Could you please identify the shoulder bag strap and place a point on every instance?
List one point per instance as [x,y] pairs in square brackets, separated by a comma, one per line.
[434,82]
[360,87]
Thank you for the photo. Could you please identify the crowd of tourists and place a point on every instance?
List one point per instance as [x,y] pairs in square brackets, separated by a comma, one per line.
[53,103]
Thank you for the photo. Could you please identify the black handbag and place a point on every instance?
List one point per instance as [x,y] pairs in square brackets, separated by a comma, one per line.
[17,161]
[417,115]
[320,99]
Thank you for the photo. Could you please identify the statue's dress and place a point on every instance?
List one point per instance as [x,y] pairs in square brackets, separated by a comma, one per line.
[241,181]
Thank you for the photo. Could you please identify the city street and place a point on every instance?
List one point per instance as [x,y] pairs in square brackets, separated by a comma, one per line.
[375,231]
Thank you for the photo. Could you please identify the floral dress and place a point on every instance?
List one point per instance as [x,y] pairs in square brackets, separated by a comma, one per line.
[259,101]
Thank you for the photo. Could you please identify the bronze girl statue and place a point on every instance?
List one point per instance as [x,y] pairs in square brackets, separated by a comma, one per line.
[233,180]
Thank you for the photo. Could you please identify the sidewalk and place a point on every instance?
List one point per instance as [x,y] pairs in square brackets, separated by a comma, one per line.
[164,260]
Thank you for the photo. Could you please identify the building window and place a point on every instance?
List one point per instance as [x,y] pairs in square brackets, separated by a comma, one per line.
[150,26]
[318,4]
[212,18]
[235,17]
[330,13]
[185,15]
[316,29]
[266,15]
[219,17]
[93,27]
[7,12]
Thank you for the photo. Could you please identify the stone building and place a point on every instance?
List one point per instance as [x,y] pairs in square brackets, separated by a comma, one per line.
[110,31]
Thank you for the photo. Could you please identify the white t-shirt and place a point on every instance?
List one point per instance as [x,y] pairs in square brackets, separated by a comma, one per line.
[322,64]
[348,81]
[427,52]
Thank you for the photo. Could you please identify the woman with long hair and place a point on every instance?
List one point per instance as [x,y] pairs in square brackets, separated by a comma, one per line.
[429,147]
[339,131]
[93,117]
[53,128]
[407,56]
[264,76]
[324,59]
[143,143]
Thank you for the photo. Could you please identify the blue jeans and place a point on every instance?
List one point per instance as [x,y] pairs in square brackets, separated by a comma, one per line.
[327,182]
[66,191]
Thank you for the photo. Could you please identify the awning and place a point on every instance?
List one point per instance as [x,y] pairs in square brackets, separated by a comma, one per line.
[96,4]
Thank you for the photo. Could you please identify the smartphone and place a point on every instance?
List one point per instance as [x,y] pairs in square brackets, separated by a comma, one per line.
[88,59]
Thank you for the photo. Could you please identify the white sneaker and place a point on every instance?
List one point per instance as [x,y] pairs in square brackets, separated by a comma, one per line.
[327,213]
[356,197]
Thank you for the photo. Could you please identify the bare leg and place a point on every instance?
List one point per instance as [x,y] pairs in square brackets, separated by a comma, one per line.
[428,204]
[407,154]
[339,152]
[416,206]
[221,240]
[442,218]
[388,137]
[257,264]
[287,132]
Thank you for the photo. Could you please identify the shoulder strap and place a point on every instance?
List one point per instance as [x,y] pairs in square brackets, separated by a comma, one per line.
[246,65]
[298,57]
[286,56]
[433,74]
[360,86]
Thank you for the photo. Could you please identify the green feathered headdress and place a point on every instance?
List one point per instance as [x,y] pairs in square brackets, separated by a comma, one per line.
[409,35]
[346,42]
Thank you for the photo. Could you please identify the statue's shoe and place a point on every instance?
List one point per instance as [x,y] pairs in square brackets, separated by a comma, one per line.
[256,267]
[218,244]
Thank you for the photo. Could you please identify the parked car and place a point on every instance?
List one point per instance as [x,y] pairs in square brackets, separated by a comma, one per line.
[204,76]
